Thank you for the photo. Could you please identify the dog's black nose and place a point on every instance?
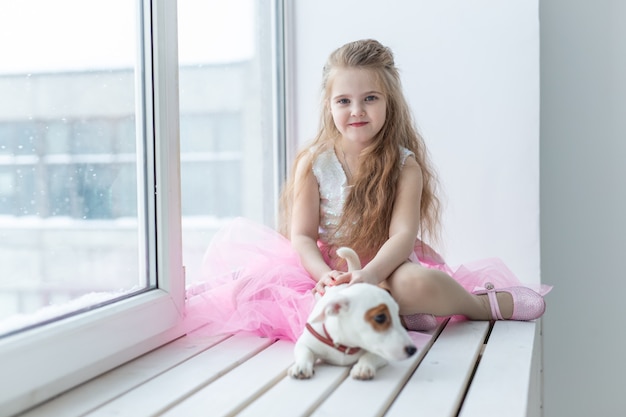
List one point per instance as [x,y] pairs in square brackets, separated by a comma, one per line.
[410,350]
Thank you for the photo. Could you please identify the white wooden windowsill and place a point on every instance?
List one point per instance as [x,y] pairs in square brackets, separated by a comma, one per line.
[465,368]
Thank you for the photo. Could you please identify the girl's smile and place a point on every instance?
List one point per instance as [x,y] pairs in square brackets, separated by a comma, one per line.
[358,124]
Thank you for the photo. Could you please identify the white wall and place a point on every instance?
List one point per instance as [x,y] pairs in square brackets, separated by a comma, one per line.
[583,154]
[583,205]
[471,73]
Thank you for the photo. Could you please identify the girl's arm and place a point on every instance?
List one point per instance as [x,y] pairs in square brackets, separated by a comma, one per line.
[305,220]
[403,229]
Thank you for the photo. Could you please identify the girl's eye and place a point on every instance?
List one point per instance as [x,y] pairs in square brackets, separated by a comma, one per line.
[343,101]
[371,98]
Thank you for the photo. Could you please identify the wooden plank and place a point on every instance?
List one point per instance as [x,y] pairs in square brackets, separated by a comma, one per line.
[501,384]
[294,398]
[233,391]
[168,388]
[246,376]
[372,398]
[535,394]
[439,383]
[89,396]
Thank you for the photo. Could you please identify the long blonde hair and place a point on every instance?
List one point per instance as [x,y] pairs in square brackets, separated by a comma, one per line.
[367,212]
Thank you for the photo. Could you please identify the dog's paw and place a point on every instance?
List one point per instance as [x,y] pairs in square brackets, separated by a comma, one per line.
[363,371]
[301,371]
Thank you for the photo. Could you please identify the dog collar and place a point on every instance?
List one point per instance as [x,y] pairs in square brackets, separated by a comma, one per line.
[329,341]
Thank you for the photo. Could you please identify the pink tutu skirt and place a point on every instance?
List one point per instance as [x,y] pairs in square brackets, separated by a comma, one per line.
[253,282]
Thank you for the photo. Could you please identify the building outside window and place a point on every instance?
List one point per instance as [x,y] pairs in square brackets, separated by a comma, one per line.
[228,137]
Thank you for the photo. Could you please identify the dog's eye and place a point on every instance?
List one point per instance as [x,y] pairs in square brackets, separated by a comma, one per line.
[380,318]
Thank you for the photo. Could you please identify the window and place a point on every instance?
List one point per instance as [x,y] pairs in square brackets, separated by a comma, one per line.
[74,212]
[90,244]
[228,69]
[105,189]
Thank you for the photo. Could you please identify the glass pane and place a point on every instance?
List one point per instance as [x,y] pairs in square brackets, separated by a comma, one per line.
[72,211]
[226,118]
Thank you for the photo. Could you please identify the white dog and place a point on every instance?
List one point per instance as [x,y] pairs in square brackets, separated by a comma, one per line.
[351,324]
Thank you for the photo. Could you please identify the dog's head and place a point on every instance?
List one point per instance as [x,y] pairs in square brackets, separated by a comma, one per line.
[365,316]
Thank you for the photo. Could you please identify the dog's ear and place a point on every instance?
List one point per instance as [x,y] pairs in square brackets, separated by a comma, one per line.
[332,307]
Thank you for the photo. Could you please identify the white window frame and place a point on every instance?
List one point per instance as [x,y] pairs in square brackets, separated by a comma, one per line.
[40,363]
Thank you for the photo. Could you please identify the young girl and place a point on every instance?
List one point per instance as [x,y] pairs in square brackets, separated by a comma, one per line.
[364,182]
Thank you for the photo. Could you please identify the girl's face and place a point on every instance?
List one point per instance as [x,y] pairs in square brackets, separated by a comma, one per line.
[357,104]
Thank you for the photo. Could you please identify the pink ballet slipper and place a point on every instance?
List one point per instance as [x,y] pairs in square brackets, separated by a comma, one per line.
[527,304]
[419,322]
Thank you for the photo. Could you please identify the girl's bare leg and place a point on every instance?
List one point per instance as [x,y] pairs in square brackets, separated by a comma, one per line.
[422,290]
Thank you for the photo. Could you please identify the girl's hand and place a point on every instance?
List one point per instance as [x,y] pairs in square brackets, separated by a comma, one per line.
[329,279]
[358,276]
[332,278]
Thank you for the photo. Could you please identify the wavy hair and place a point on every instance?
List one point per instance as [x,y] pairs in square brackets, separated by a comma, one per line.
[367,211]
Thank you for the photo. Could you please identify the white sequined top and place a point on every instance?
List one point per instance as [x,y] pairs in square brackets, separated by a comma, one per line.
[334,190]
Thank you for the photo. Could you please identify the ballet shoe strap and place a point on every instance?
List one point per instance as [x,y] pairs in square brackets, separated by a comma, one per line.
[495,307]
[493,299]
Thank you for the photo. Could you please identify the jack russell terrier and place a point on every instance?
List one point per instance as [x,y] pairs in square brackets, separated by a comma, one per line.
[352,324]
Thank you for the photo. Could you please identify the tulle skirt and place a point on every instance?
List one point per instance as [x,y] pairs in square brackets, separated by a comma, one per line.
[253,282]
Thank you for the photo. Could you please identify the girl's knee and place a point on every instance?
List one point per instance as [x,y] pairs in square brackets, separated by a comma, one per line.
[422,290]
[416,283]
